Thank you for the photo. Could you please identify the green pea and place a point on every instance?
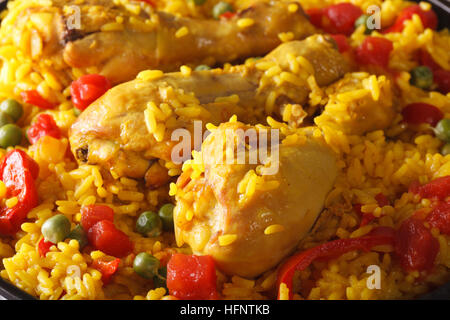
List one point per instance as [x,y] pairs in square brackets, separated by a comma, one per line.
[10,135]
[5,119]
[445,150]
[442,130]
[220,8]
[166,215]
[160,280]
[199,2]
[12,108]
[80,235]
[149,224]
[56,228]
[146,265]
[362,20]
[202,67]
[422,77]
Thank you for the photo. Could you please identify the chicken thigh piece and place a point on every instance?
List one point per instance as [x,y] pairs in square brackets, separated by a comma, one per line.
[247,220]
[121,40]
[132,124]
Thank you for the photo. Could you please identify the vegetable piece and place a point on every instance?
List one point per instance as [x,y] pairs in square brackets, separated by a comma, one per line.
[421,77]
[44,125]
[301,260]
[149,224]
[160,280]
[337,18]
[428,18]
[367,217]
[18,171]
[192,277]
[33,97]
[362,20]
[87,89]
[202,67]
[166,215]
[80,235]
[419,112]
[221,8]
[10,135]
[44,247]
[437,189]
[415,246]
[5,119]
[94,213]
[104,236]
[146,265]
[426,60]
[12,108]
[342,42]
[56,228]
[107,268]
[439,217]
[442,79]
[445,150]
[374,51]
[442,130]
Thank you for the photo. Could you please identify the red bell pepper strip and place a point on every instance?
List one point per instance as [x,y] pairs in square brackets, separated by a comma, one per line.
[44,247]
[428,18]
[437,189]
[43,126]
[415,246]
[439,217]
[18,172]
[87,89]
[419,112]
[105,237]
[94,213]
[107,268]
[301,260]
[33,97]
[192,277]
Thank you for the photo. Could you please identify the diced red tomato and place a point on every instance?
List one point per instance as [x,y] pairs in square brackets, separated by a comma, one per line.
[192,277]
[438,188]
[341,18]
[107,268]
[43,126]
[94,213]
[315,16]
[428,18]
[33,97]
[104,236]
[44,247]
[442,79]
[382,200]
[18,171]
[419,112]
[87,89]
[440,217]
[415,246]
[341,41]
[374,51]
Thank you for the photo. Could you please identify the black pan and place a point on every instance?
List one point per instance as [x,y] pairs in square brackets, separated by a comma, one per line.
[442,9]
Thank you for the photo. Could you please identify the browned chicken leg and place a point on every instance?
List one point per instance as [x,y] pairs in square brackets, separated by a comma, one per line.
[122,42]
[132,123]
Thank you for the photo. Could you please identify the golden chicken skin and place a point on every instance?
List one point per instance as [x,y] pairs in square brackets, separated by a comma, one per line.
[249,216]
[132,124]
[122,40]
